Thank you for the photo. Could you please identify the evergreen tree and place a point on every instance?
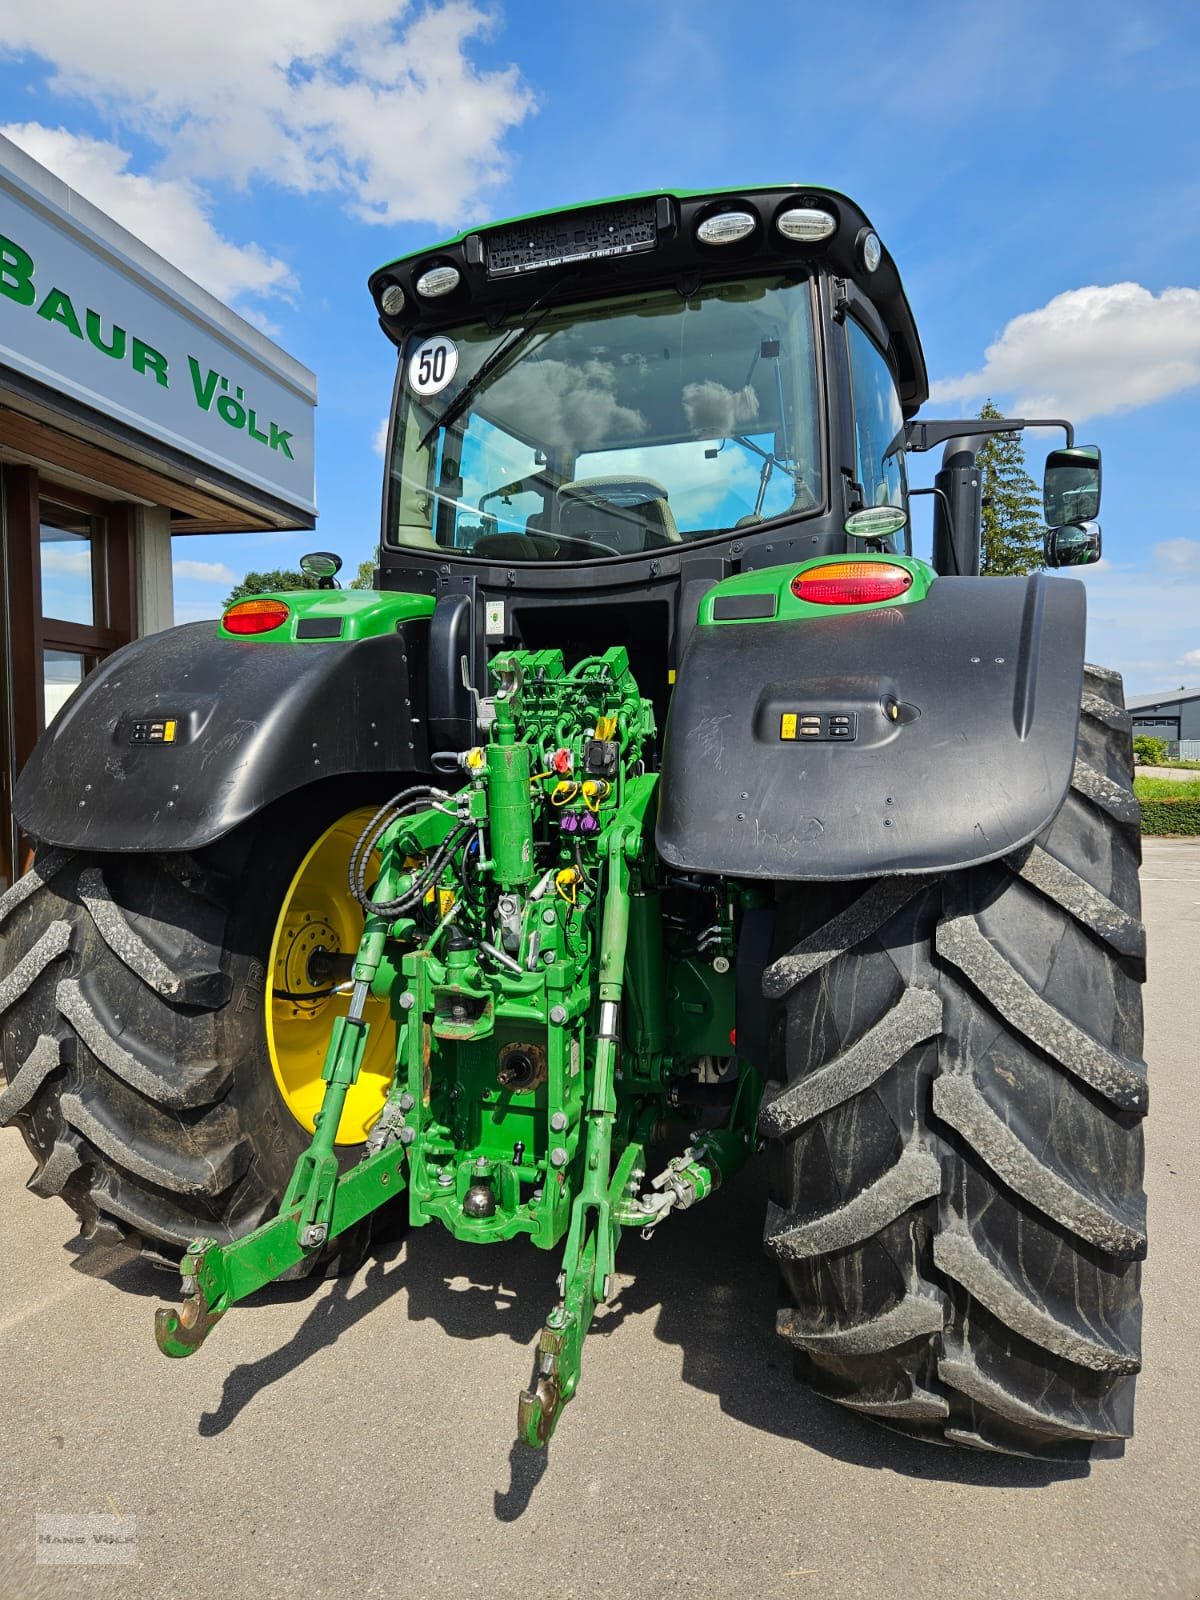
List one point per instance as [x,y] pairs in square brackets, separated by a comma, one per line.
[1012,507]
[268,582]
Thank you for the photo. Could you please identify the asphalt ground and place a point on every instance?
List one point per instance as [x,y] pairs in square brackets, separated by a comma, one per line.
[354,1438]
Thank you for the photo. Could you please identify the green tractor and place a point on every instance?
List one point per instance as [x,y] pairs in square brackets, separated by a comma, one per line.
[657,809]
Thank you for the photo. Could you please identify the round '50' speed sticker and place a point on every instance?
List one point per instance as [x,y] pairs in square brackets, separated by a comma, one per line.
[432,365]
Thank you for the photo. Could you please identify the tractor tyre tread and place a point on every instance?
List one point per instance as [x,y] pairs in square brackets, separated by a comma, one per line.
[957,1207]
[130,1008]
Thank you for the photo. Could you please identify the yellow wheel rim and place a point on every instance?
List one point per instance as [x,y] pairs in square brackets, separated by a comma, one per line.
[319,913]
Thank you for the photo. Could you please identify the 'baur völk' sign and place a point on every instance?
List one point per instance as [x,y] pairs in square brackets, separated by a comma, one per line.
[211,389]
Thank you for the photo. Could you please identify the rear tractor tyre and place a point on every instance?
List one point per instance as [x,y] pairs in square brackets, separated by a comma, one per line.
[160,1060]
[955,1130]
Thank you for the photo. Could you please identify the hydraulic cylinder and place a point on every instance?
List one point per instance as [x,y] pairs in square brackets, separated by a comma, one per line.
[510,811]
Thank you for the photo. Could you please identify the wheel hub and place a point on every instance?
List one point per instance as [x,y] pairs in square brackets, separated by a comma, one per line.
[316,935]
[305,964]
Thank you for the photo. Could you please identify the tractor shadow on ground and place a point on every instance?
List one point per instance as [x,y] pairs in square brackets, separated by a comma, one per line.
[703,1277]
[712,1291]
[526,1470]
[348,1301]
[474,1293]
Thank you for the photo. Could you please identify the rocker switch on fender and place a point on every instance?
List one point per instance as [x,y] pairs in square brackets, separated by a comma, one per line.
[818,725]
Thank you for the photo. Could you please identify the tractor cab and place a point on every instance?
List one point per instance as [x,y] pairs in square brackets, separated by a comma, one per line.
[608,410]
[621,427]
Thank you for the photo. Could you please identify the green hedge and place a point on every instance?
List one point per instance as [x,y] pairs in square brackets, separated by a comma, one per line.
[1171,816]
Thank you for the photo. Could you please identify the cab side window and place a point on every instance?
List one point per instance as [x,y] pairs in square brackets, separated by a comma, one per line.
[878,420]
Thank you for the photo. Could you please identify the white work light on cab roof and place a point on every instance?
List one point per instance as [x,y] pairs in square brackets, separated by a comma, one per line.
[727,227]
[438,280]
[804,225]
[391,301]
[869,248]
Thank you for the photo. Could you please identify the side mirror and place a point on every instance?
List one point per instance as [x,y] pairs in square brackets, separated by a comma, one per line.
[1071,489]
[322,565]
[1077,544]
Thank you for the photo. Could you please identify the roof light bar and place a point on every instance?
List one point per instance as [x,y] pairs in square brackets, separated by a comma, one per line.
[438,281]
[727,227]
[805,225]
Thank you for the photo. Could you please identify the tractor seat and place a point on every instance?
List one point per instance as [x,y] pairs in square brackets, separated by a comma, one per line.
[626,514]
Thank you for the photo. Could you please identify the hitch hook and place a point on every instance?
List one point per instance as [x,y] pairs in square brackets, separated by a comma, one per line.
[539,1406]
[181,1332]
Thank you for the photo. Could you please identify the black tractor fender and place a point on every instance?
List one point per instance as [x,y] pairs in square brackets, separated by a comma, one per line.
[926,736]
[179,737]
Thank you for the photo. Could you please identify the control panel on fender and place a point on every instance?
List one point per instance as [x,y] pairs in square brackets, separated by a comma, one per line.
[157,732]
[801,725]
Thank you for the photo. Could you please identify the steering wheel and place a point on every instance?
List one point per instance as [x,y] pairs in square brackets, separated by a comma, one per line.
[484,546]
[588,544]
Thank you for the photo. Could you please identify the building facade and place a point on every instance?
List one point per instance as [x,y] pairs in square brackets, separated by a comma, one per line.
[134,408]
[1173,717]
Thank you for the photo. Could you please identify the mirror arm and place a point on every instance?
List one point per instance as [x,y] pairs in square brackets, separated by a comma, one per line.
[945,555]
[920,436]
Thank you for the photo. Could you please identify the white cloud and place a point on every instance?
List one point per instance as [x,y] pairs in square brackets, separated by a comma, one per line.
[574,408]
[259,320]
[1103,565]
[367,98]
[55,559]
[196,611]
[1178,555]
[203,571]
[1141,624]
[1091,352]
[718,412]
[171,215]
[379,439]
[697,491]
[1190,658]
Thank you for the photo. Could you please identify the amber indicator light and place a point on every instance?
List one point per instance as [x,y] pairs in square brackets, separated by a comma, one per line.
[851,583]
[255,616]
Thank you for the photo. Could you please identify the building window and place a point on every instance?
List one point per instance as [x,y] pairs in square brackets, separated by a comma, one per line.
[62,673]
[77,627]
[66,602]
[70,543]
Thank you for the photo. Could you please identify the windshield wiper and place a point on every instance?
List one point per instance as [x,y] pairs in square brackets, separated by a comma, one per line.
[508,346]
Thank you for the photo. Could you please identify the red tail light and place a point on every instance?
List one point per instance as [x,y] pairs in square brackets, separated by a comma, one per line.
[255,616]
[851,583]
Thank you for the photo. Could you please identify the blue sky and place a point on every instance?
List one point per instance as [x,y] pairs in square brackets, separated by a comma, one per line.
[1035,175]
